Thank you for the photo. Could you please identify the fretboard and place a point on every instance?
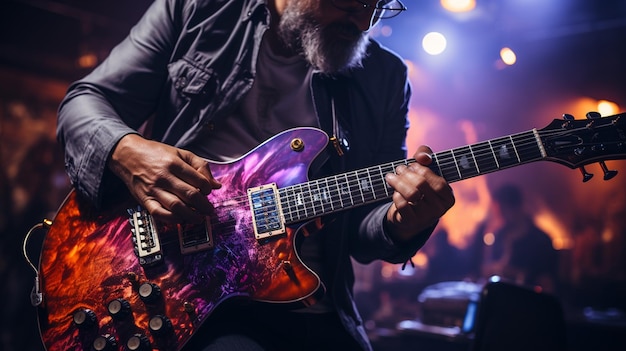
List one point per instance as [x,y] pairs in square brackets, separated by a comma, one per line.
[340,192]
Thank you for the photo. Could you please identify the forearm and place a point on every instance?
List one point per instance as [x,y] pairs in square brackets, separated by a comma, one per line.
[114,100]
[88,130]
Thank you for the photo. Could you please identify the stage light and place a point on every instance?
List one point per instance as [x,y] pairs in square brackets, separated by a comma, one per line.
[434,43]
[87,60]
[458,6]
[489,239]
[607,108]
[508,56]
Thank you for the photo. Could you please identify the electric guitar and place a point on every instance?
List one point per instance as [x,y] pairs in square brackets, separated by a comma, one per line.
[119,280]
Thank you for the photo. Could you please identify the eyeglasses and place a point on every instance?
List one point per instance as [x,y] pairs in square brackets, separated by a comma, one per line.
[382,9]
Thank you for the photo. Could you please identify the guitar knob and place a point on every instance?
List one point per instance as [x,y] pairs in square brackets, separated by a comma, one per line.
[84,318]
[138,342]
[104,343]
[160,325]
[119,308]
[149,292]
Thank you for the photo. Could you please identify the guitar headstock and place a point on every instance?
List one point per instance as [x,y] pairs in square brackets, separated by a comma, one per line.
[576,143]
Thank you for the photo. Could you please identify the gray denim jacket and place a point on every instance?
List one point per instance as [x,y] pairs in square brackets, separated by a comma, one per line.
[187,63]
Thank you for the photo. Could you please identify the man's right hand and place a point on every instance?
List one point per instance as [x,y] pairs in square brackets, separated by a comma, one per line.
[171,183]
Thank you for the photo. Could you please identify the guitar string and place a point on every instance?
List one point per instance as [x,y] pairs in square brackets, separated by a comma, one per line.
[354,179]
[521,142]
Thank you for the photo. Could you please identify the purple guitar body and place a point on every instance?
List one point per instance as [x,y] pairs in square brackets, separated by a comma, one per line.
[90,259]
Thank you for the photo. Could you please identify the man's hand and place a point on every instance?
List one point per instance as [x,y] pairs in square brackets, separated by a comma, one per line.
[420,198]
[172,184]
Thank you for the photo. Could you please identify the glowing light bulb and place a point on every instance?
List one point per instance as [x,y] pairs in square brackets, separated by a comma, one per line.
[508,56]
[434,43]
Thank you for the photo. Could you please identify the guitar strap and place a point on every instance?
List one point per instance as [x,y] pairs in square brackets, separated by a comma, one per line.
[335,121]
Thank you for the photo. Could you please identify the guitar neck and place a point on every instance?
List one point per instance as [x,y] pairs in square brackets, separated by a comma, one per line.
[344,191]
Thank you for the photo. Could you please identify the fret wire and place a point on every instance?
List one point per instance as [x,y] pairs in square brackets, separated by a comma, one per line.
[358,185]
[474,157]
[339,192]
[382,175]
[515,149]
[332,202]
[371,186]
[296,195]
[349,190]
[485,157]
[494,153]
[311,196]
[306,196]
[436,159]
[379,184]
[464,159]
[456,164]
[302,201]
[319,204]
[286,205]
[319,195]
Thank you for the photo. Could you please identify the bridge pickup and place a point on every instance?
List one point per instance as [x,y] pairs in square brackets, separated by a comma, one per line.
[267,215]
[145,237]
[195,237]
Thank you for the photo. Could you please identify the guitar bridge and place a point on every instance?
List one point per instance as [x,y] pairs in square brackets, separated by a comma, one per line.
[145,237]
[267,216]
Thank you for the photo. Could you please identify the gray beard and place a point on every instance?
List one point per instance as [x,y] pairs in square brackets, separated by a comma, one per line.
[333,49]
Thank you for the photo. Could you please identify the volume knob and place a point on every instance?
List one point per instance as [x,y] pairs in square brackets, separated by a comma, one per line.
[138,342]
[84,318]
[104,343]
[149,292]
[160,325]
[119,308]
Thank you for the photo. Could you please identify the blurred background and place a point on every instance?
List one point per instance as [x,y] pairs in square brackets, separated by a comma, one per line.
[479,70]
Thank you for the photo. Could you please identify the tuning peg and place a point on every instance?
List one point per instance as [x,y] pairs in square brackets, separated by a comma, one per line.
[608,174]
[568,117]
[586,175]
[593,115]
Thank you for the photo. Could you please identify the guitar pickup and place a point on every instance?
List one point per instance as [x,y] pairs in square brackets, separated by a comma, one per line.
[267,216]
[195,237]
[145,237]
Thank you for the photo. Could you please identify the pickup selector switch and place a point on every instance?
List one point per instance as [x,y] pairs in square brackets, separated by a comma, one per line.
[149,292]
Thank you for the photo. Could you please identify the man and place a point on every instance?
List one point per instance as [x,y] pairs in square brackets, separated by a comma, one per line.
[521,252]
[214,79]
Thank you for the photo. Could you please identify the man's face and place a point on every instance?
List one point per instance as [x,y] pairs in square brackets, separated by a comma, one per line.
[330,39]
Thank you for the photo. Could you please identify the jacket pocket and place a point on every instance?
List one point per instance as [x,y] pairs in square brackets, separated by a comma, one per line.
[190,80]
[192,91]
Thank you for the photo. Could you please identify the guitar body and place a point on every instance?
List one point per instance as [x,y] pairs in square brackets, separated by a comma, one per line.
[89,259]
[115,280]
